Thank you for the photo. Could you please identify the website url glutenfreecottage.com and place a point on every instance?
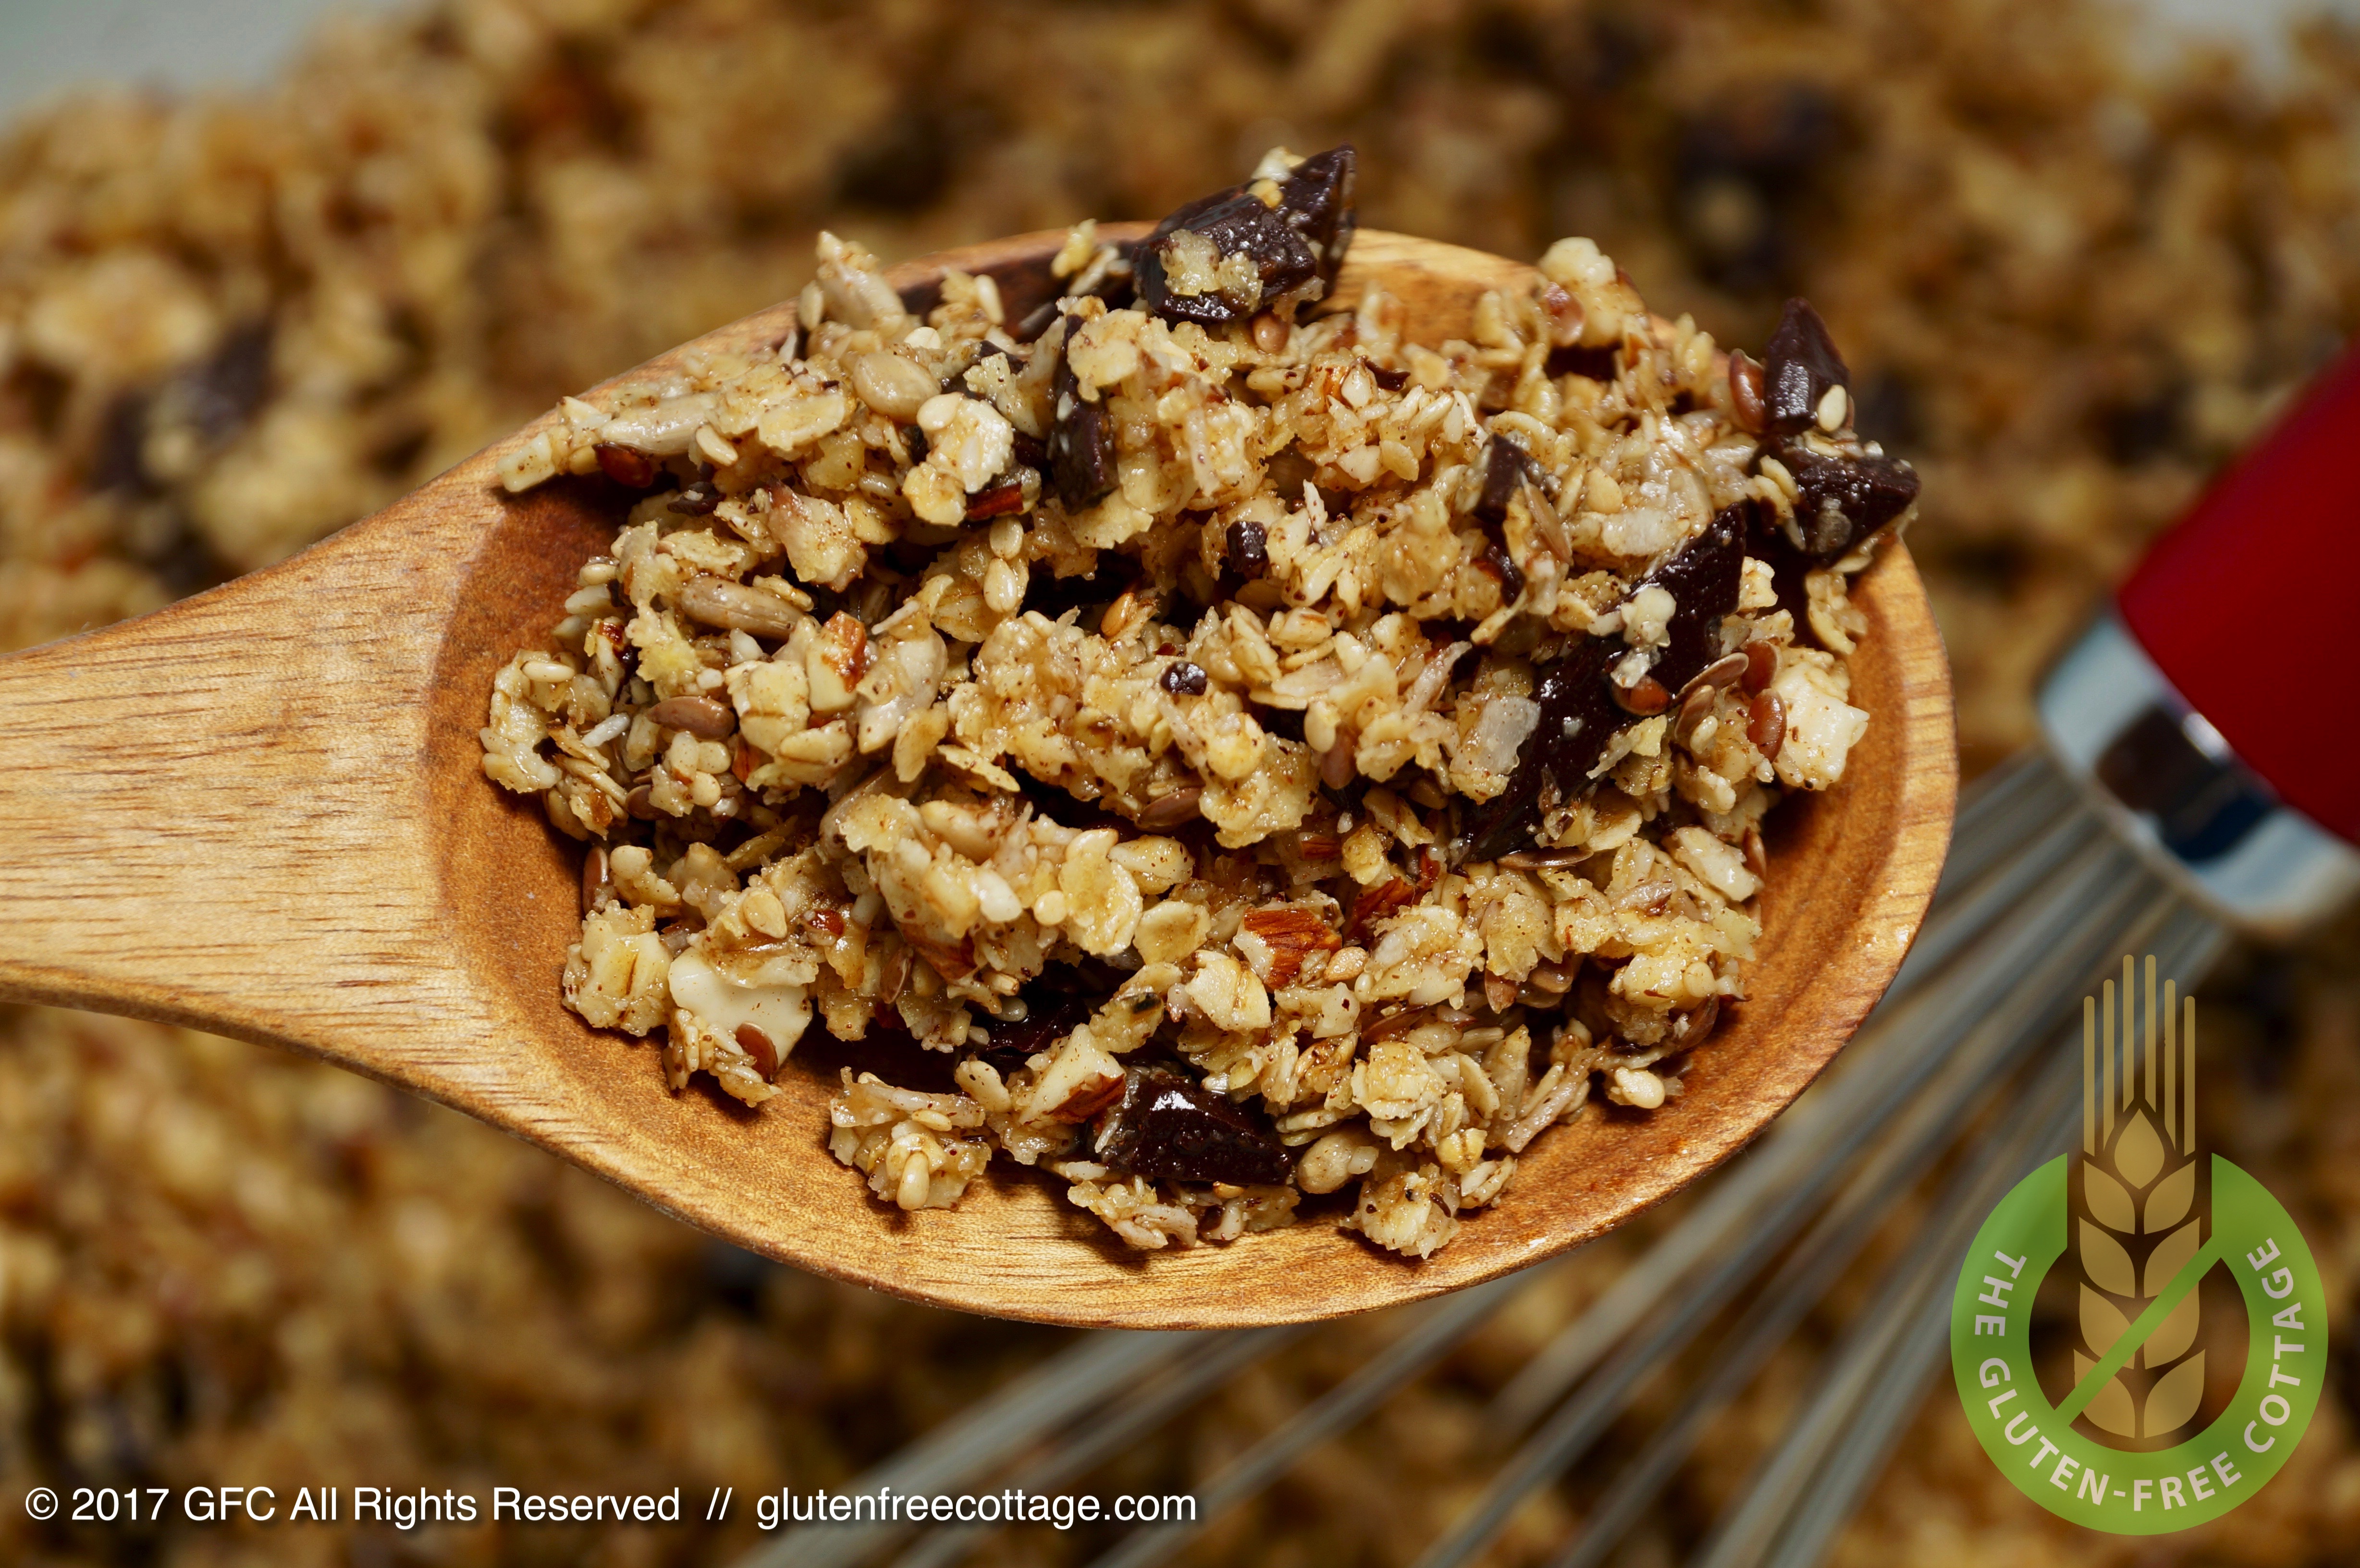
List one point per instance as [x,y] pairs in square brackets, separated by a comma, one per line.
[1015,1506]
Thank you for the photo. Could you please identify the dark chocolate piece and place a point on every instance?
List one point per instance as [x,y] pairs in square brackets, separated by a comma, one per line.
[1496,560]
[1316,203]
[1051,1015]
[1598,364]
[1702,577]
[1171,1129]
[1799,366]
[217,396]
[1081,440]
[695,500]
[1305,236]
[211,400]
[1578,711]
[1184,679]
[1844,500]
[1236,223]
[1249,544]
[1507,468]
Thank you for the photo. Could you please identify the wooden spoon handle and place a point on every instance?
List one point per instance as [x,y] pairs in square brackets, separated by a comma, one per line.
[216,815]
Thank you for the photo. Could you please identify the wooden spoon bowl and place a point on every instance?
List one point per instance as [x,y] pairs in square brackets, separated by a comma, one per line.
[260,811]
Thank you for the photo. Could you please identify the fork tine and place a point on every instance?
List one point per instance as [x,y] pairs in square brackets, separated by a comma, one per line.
[1576,1348]
[976,1441]
[1909,1364]
[1844,1411]
[1123,1421]
[1633,1490]
[1441,1326]
[1911,1316]
[1966,912]
[1992,812]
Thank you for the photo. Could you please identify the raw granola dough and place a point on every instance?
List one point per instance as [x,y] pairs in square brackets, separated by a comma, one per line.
[1263,755]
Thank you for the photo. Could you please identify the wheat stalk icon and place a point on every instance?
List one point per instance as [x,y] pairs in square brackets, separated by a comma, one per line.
[2140,1216]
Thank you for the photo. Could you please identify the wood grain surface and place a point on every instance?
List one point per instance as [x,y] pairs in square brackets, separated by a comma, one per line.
[260,811]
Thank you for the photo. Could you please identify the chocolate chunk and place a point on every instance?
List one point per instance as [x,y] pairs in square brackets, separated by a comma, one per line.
[695,500]
[1236,223]
[1039,320]
[1798,368]
[1081,438]
[210,400]
[1303,237]
[1496,560]
[1751,174]
[1598,364]
[1702,578]
[118,459]
[217,396]
[1507,468]
[1578,715]
[1171,1129]
[1316,203]
[1579,712]
[1843,500]
[1184,679]
[1249,544]
[1050,1016]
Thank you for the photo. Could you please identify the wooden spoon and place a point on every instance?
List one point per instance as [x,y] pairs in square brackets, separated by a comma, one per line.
[260,811]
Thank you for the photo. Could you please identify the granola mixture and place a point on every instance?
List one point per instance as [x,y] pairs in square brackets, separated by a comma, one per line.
[1264,753]
[2068,288]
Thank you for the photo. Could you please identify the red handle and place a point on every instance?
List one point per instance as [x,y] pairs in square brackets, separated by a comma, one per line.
[2251,606]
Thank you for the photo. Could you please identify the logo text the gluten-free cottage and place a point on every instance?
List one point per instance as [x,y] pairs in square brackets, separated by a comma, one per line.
[2160,1259]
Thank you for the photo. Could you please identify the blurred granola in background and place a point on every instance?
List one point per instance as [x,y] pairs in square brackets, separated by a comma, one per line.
[2070,289]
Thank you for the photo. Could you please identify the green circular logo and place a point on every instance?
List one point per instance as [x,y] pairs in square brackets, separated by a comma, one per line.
[2146,1384]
